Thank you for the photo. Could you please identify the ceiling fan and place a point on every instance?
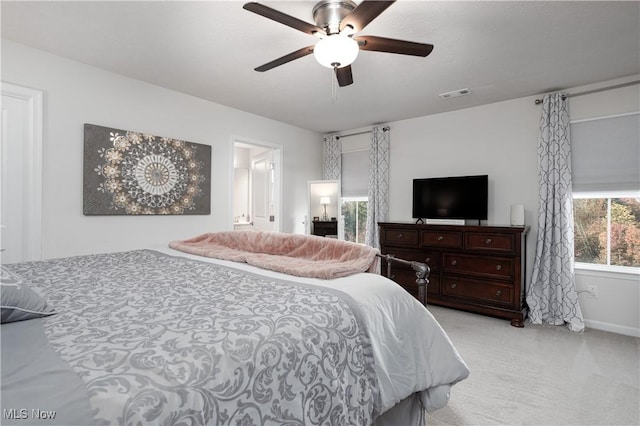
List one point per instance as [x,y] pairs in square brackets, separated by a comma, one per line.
[337,22]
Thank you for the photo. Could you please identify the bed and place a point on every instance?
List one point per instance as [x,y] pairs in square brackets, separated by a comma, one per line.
[162,336]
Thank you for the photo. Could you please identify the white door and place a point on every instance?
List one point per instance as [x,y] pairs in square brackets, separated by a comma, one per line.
[263,192]
[21,174]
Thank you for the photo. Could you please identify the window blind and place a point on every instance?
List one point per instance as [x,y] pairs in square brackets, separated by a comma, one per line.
[605,154]
[355,165]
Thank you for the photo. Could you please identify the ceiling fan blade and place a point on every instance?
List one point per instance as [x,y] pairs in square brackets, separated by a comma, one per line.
[283,18]
[286,58]
[364,13]
[344,76]
[383,44]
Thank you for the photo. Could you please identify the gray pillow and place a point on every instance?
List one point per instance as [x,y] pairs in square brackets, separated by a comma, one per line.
[19,302]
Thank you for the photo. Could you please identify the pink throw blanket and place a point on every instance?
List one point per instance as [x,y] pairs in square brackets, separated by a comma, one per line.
[293,254]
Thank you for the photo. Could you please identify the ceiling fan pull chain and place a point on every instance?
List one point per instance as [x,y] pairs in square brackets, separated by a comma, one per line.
[334,85]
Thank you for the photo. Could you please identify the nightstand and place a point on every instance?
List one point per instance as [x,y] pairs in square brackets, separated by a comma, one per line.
[323,228]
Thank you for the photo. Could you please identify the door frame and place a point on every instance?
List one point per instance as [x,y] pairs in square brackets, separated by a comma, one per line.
[278,159]
[32,167]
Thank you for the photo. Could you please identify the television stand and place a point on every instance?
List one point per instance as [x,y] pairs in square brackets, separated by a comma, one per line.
[479,269]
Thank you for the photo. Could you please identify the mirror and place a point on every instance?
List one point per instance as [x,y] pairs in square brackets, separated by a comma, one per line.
[323,218]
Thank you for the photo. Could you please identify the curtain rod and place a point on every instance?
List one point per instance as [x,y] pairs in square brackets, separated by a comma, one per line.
[386,128]
[588,92]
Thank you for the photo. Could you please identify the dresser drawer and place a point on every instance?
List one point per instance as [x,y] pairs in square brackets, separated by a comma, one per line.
[497,243]
[444,239]
[481,291]
[482,266]
[405,237]
[406,254]
[431,258]
[407,279]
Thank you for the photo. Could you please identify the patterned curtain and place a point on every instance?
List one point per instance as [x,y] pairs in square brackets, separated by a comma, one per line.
[378,208]
[332,155]
[552,295]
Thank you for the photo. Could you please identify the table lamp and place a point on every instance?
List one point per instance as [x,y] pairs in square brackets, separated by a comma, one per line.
[324,201]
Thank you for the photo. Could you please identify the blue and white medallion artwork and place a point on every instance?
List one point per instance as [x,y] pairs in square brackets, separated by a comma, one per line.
[131,173]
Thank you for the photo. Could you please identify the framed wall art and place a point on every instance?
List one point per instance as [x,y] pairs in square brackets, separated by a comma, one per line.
[131,173]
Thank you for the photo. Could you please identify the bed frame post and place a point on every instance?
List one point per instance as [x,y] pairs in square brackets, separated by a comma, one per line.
[422,272]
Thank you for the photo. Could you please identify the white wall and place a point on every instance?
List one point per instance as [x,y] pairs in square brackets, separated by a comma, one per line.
[75,94]
[498,140]
[501,140]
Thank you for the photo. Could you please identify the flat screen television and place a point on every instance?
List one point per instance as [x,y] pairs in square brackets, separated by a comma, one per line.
[459,197]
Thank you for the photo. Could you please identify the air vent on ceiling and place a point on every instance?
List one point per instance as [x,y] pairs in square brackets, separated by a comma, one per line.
[455,93]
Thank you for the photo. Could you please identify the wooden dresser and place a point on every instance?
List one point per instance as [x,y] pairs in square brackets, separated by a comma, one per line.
[478,269]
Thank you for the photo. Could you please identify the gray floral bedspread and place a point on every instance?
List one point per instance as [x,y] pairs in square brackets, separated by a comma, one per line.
[167,340]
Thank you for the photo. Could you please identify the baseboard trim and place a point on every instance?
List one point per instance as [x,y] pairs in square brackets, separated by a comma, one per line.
[613,328]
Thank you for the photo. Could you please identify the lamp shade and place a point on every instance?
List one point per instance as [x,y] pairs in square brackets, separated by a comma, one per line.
[325,200]
[336,51]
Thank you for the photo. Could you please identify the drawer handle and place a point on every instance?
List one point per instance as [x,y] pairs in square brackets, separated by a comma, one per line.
[440,238]
[499,268]
[487,241]
[454,285]
[400,235]
[498,293]
[392,277]
[454,262]
[427,260]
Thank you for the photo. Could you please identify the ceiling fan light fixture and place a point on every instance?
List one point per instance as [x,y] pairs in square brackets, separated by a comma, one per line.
[336,51]
[337,21]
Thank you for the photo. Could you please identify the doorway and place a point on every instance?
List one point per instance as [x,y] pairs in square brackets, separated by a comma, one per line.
[257,185]
[21,174]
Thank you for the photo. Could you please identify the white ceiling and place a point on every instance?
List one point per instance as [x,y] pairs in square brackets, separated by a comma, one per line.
[500,50]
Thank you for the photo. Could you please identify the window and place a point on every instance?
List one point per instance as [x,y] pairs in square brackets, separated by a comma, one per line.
[607,229]
[355,178]
[354,212]
[605,157]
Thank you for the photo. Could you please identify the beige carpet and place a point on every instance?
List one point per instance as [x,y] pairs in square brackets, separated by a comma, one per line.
[540,375]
